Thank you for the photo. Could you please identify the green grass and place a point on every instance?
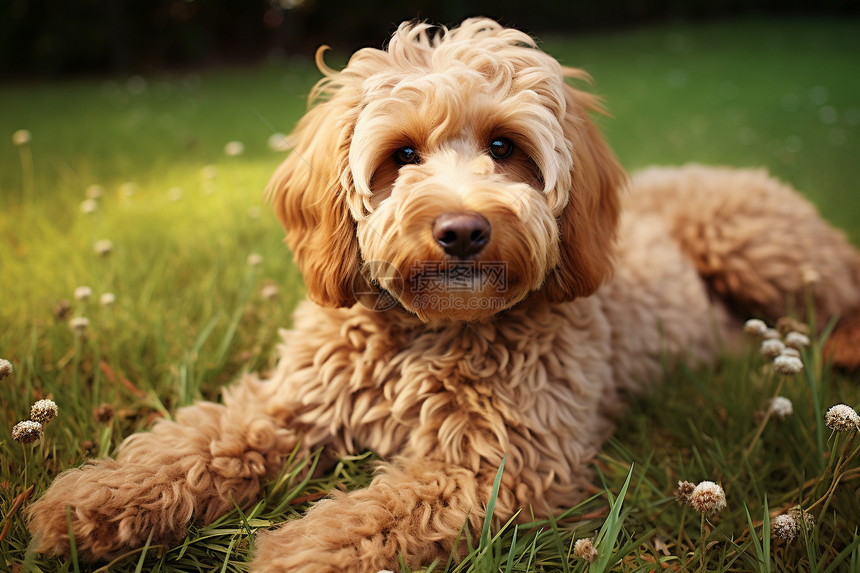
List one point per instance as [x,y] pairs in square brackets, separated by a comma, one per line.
[189,314]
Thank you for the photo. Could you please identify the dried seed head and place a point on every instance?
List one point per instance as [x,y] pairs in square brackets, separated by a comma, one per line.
[804,519]
[809,276]
[89,206]
[708,498]
[785,364]
[787,324]
[771,348]
[5,368]
[255,260]
[791,352]
[842,418]
[780,407]
[83,293]
[107,299]
[783,527]
[27,432]
[755,327]
[584,549]
[103,413]
[771,334]
[43,411]
[683,491]
[797,340]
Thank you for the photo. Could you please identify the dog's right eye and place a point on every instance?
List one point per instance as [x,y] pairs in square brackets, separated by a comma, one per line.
[406,155]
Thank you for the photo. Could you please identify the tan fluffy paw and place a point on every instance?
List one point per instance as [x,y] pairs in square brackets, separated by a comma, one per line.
[110,507]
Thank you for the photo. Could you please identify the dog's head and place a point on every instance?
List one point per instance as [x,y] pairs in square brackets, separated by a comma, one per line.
[455,171]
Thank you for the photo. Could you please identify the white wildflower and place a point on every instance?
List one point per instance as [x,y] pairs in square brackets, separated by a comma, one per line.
[842,418]
[174,194]
[278,142]
[103,247]
[27,432]
[771,334]
[780,407]
[234,148]
[89,206]
[785,364]
[796,340]
[269,291]
[771,348]
[107,299]
[21,137]
[79,325]
[83,293]
[783,527]
[5,368]
[43,411]
[255,260]
[94,192]
[791,352]
[708,498]
[209,172]
[755,327]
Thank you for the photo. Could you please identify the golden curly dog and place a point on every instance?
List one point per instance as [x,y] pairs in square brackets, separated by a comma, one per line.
[457,218]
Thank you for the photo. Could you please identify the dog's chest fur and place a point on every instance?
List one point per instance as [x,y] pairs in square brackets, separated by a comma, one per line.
[528,384]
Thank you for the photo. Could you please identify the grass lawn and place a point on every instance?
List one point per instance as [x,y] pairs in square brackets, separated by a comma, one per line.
[141,162]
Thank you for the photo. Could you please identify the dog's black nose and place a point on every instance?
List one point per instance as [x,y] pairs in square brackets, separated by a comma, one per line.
[461,234]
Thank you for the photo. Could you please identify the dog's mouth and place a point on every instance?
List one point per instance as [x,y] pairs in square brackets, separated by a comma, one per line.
[443,290]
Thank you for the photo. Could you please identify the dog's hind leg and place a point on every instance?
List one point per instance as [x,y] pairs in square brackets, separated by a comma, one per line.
[194,468]
[759,246]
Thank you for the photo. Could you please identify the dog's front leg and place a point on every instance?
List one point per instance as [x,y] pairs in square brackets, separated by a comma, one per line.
[194,468]
[414,509]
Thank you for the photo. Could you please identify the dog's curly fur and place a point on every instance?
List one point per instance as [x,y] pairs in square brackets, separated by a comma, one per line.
[396,356]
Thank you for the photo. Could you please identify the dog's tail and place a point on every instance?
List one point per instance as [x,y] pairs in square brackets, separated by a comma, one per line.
[760,247]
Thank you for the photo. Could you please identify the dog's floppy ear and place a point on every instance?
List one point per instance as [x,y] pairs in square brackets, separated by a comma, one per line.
[588,223]
[309,191]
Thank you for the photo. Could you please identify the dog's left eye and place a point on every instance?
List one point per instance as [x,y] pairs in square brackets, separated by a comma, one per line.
[406,155]
[501,148]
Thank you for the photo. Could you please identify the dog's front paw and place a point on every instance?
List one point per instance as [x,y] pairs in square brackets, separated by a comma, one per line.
[109,507]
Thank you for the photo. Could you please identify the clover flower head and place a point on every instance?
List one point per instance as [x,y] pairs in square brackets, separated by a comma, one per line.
[79,325]
[21,137]
[708,498]
[103,247]
[94,192]
[755,327]
[804,519]
[584,549]
[5,368]
[27,432]
[783,527]
[107,299]
[791,352]
[89,206]
[278,142]
[43,411]
[771,347]
[842,418]
[785,364]
[797,340]
[255,260]
[269,291]
[83,293]
[234,148]
[780,407]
